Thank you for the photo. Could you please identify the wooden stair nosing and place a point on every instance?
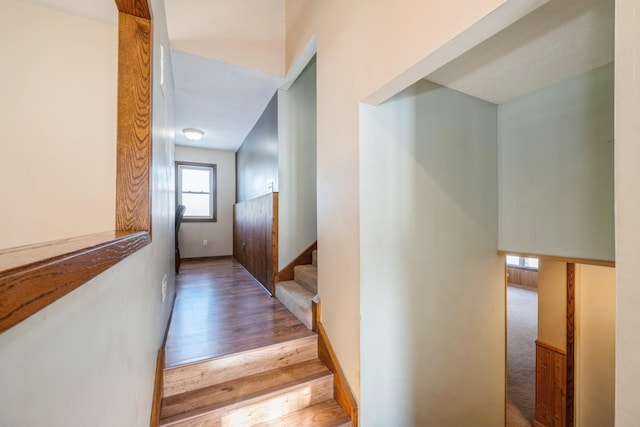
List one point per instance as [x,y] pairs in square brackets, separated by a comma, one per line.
[324,414]
[183,378]
[259,408]
[239,389]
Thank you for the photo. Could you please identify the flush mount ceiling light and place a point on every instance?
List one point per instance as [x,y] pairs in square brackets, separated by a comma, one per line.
[193,134]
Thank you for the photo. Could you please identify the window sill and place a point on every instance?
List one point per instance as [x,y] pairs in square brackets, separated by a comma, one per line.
[34,276]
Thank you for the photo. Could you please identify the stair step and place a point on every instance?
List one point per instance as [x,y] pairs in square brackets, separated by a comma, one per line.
[253,399]
[325,414]
[314,258]
[192,376]
[297,299]
[307,276]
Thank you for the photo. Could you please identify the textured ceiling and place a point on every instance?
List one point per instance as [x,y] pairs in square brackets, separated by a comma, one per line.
[560,39]
[223,100]
[226,58]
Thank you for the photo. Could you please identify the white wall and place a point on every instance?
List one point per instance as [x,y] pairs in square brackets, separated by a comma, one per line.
[552,303]
[89,358]
[556,169]
[432,287]
[58,119]
[297,225]
[595,345]
[627,177]
[364,47]
[219,234]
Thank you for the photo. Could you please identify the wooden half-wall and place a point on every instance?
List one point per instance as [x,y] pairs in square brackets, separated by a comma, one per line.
[523,277]
[255,237]
[551,385]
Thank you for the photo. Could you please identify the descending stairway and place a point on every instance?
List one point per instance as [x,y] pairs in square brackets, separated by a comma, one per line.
[297,294]
[283,384]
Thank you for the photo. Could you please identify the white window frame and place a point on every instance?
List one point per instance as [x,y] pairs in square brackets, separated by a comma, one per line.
[213,208]
[522,262]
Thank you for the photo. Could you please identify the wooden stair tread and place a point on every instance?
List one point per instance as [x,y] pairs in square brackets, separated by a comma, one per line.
[325,414]
[205,373]
[234,392]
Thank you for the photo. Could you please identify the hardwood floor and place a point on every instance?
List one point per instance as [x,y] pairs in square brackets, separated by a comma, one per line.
[221,309]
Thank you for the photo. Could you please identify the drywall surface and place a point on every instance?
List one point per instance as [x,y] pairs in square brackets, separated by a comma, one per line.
[552,303]
[627,177]
[363,46]
[556,169]
[58,115]
[595,331]
[257,157]
[219,234]
[432,287]
[297,225]
[89,358]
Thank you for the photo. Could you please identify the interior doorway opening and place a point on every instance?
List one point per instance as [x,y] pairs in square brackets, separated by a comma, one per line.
[522,332]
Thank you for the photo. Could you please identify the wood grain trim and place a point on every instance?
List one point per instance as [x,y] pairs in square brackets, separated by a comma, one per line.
[274,241]
[304,258]
[342,392]
[139,8]
[571,310]
[550,347]
[255,237]
[156,404]
[551,378]
[158,384]
[34,276]
[28,288]
[316,306]
[559,258]
[521,277]
[133,167]
[506,340]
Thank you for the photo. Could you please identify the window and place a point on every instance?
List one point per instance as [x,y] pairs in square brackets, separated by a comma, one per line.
[196,189]
[518,261]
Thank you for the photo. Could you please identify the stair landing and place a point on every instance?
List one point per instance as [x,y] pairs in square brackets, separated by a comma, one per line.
[221,309]
[236,356]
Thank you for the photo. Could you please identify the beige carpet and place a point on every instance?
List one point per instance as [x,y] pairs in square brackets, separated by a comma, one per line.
[515,417]
[522,331]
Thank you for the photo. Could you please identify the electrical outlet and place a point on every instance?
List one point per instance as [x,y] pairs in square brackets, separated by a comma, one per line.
[164,287]
[205,242]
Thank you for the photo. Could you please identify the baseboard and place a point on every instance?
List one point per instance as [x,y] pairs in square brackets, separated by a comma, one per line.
[207,258]
[302,259]
[342,392]
[156,404]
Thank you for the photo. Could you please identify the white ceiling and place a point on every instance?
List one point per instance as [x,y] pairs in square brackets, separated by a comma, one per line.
[223,100]
[226,58]
[100,10]
[248,33]
[560,39]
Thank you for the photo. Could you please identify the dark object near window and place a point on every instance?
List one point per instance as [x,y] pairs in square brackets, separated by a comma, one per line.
[179,215]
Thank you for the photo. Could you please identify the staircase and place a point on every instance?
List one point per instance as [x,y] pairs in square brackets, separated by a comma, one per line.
[297,294]
[283,384]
